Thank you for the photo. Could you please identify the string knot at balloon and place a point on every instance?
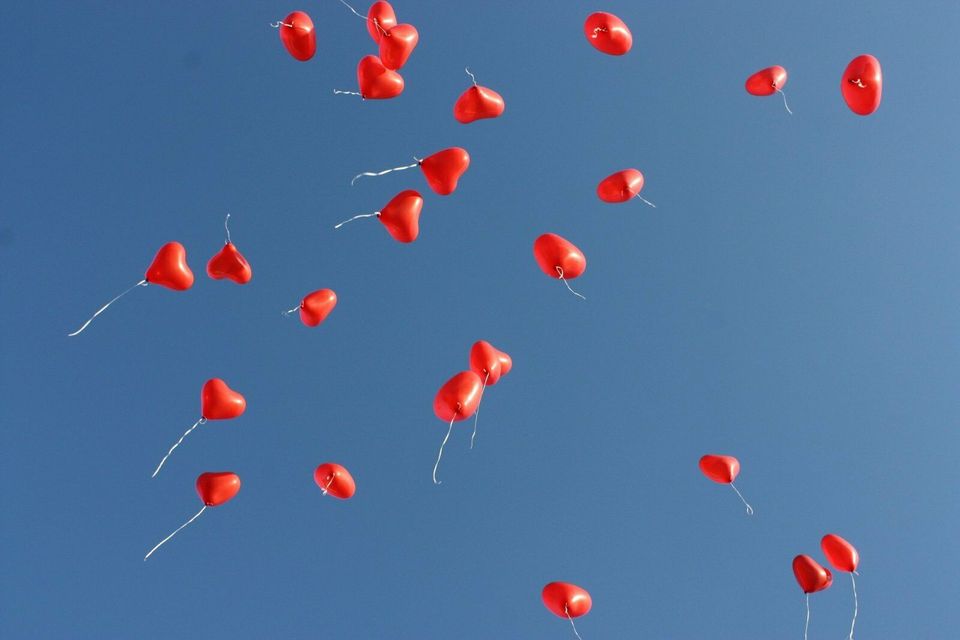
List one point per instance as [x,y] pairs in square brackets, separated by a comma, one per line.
[858,82]
[280,23]
[569,288]
[598,30]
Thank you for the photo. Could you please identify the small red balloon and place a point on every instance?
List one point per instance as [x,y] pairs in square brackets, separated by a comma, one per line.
[219,402]
[810,575]
[335,480]
[298,35]
[862,85]
[217,487]
[396,45]
[506,363]
[766,81]
[488,362]
[401,216]
[169,268]
[477,103]
[316,306]
[459,397]
[380,18]
[564,599]
[444,168]
[620,186]
[607,33]
[229,263]
[841,554]
[376,82]
[722,469]
[558,257]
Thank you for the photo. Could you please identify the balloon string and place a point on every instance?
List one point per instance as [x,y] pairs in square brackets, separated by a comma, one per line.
[375,214]
[472,77]
[204,508]
[347,93]
[784,96]
[276,25]
[287,313]
[226,225]
[442,445]
[853,581]
[807,625]
[564,280]
[571,622]
[333,477]
[637,195]
[598,30]
[859,83]
[384,172]
[353,10]
[142,283]
[749,508]
[185,434]
[476,416]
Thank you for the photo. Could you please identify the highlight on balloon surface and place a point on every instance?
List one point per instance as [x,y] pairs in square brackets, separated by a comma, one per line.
[622,186]
[843,556]
[862,85]
[812,577]
[214,488]
[491,364]
[169,269]
[456,400]
[315,307]
[375,81]
[334,479]
[441,169]
[607,33]
[723,470]
[400,216]
[567,600]
[477,103]
[217,402]
[559,258]
[229,263]
[298,35]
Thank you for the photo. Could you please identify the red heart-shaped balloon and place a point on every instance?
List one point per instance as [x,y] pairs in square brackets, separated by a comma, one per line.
[564,599]
[220,402]
[620,186]
[862,85]
[376,82]
[380,18]
[217,487]
[477,103]
[459,397]
[840,553]
[229,263]
[444,168]
[488,362]
[558,257]
[810,575]
[316,306]
[722,469]
[335,480]
[396,45]
[607,33]
[401,216]
[506,363]
[169,268]
[766,81]
[299,37]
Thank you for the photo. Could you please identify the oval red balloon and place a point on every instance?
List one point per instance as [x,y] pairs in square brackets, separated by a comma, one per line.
[169,268]
[217,487]
[444,168]
[459,397]
[219,402]
[376,82]
[840,553]
[380,17]
[607,33]
[298,36]
[766,81]
[335,480]
[810,575]
[558,257]
[563,599]
[722,469]
[229,263]
[620,186]
[477,103]
[862,85]
[316,306]
[485,362]
[396,45]
[401,216]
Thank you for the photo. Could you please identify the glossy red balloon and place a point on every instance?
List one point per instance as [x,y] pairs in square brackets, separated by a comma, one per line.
[810,575]
[401,216]
[506,363]
[558,257]
[722,469]
[229,263]
[840,554]
[217,487]
[620,186]
[219,402]
[477,103]
[766,81]
[376,82]
[459,397]
[169,268]
[316,306]
[563,599]
[380,18]
[488,362]
[444,168]
[299,38]
[607,33]
[335,480]
[396,45]
[862,85]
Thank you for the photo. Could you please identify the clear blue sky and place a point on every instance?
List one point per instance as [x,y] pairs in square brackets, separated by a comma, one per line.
[792,301]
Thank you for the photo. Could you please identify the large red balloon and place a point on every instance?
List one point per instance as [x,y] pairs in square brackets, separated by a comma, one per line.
[488,362]
[841,554]
[169,268]
[219,402]
[558,257]
[335,480]
[565,599]
[766,81]
[862,85]
[444,168]
[459,397]
[316,306]
[299,37]
[230,263]
[401,216]
[376,82]
[722,469]
[477,103]
[620,186]
[607,33]
[396,45]
[380,18]
[217,487]
[810,575]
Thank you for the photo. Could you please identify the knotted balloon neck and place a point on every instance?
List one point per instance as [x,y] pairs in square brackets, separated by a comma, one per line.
[564,280]
[333,476]
[598,30]
[858,82]
[567,612]
[277,25]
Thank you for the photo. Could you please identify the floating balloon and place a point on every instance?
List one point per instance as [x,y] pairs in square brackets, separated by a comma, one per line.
[169,269]
[315,307]
[607,33]
[862,85]
[486,361]
[477,103]
[214,489]
[401,216]
[843,556]
[375,81]
[768,81]
[566,601]
[396,45]
[456,400]
[723,470]
[811,577]
[229,262]
[298,35]
[380,18]
[441,169]
[217,402]
[559,258]
[622,186]
[335,479]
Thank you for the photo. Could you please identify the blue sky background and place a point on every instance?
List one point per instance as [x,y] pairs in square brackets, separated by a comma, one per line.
[792,301]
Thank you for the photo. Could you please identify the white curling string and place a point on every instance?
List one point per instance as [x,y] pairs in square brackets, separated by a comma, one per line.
[637,195]
[472,77]
[185,434]
[598,30]
[286,314]
[347,93]
[784,96]
[476,416]
[571,622]
[279,23]
[855,604]
[807,625]
[353,10]
[564,280]
[859,83]
[204,508]
[375,214]
[442,445]
[325,489]
[381,173]
[749,508]
[142,283]
[226,225]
